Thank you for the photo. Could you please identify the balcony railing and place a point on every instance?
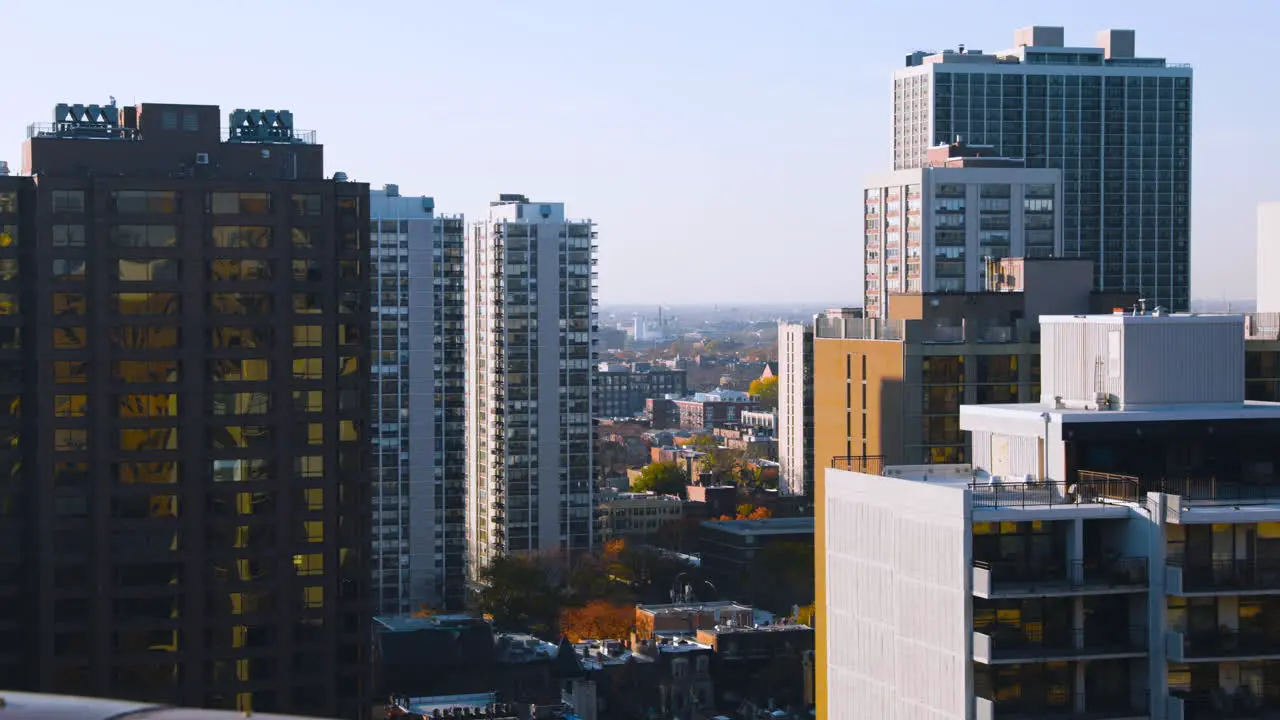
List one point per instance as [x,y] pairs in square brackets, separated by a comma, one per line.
[1224,576]
[1090,487]
[1218,490]
[1003,578]
[1220,704]
[1222,644]
[869,464]
[1012,645]
[1077,706]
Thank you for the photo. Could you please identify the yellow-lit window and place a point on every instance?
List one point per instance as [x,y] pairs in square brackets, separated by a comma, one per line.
[8,303]
[302,238]
[242,470]
[11,405]
[241,403]
[69,338]
[310,564]
[242,436]
[313,499]
[307,336]
[306,270]
[308,400]
[8,269]
[313,530]
[350,334]
[69,405]
[8,236]
[146,371]
[227,269]
[348,365]
[226,336]
[308,466]
[70,440]
[243,236]
[146,473]
[244,203]
[246,370]
[152,438]
[312,597]
[69,304]
[146,303]
[63,269]
[348,431]
[146,269]
[240,303]
[148,405]
[311,433]
[70,371]
[145,337]
[307,303]
[308,368]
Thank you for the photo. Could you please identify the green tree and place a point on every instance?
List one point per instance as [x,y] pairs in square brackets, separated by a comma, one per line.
[664,478]
[520,595]
[766,389]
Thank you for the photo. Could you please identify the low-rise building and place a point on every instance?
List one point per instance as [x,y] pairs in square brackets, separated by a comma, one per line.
[759,663]
[764,562]
[633,516]
[621,389]
[687,618]
[702,411]
[767,419]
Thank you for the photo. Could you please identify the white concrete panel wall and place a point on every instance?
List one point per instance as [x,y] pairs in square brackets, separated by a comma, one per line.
[791,409]
[898,605]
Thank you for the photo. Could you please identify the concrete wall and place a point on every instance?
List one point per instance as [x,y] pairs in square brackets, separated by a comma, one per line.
[896,601]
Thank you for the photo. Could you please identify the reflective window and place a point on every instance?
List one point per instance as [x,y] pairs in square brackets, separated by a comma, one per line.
[225,269]
[308,369]
[306,336]
[243,203]
[242,470]
[302,238]
[240,337]
[64,269]
[8,269]
[348,365]
[141,337]
[245,370]
[70,371]
[146,303]
[147,405]
[145,201]
[70,440]
[68,304]
[150,438]
[146,269]
[67,200]
[350,334]
[144,236]
[307,303]
[68,236]
[146,371]
[240,303]
[242,436]
[69,405]
[146,473]
[70,338]
[306,204]
[350,301]
[311,564]
[241,403]
[348,431]
[308,400]
[241,236]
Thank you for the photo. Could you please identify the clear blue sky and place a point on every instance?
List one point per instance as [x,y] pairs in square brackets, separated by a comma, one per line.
[719,145]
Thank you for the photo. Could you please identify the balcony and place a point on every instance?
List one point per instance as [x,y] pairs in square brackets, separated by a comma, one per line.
[1222,704]
[868,464]
[1003,645]
[1089,488]
[1222,577]
[1080,706]
[1090,576]
[1222,644]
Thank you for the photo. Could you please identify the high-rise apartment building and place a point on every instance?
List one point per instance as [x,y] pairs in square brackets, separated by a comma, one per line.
[184,346]
[932,229]
[1110,552]
[418,406]
[531,319]
[1117,125]
[795,408]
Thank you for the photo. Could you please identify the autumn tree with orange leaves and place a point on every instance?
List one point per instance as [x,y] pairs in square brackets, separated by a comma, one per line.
[598,620]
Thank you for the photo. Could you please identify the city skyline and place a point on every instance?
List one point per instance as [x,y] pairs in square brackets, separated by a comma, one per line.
[741,125]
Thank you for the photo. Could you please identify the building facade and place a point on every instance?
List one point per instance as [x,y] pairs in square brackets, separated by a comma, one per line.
[1107,553]
[531,315]
[418,405]
[621,390]
[932,229]
[1117,125]
[189,404]
[635,516]
[795,408]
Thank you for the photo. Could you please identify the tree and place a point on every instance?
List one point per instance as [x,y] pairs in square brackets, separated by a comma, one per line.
[424,611]
[806,614]
[664,478]
[766,389]
[520,595]
[598,620]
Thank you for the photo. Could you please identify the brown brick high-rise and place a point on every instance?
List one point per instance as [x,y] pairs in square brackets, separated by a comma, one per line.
[184,505]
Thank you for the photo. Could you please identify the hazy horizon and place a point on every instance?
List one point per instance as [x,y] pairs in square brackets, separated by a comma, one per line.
[720,146]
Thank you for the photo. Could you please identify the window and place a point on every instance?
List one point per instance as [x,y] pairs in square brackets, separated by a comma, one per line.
[247,370]
[144,236]
[143,337]
[233,203]
[313,531]
[69,304]
[307,303]
[71,201]
[310,433]
[308,369]
[146,371]
[242,437]
[66,269]
[145,201]
[69,338]
[240,337]
[146,303]
[8,269]
[70,474]
[8,303]
[348,365]
[69,405]
[350,334]
[306,270]
[151,438]
[306,336]
[225,269]
[70,440]
[8,202]
[313,499]
[241,403]
[312,597]
[349,270]
[308,400]
[302,239]
[70,371]
[8,236]
[241,236]
[242,470]
[68,236]
[146,270]
[350,301]
[147,405]
[149,473]
[310,564]
[348,431]
[306,204]
[308,467]
[238,303]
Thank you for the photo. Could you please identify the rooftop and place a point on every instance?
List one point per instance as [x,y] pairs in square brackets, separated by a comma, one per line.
[596,654]
[1248,410]
[697,607]
[741,630]
[770,526]
[521,648]
[409,623]
[428,705]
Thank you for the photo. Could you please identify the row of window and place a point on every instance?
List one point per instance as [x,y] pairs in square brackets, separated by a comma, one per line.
[168,269]
[167,303]
[151,405]
[73,473]
[170,201]
[167,236]
[136,337]
[219,437]
[239,370]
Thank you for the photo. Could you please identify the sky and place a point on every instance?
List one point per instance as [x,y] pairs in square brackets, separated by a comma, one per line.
[720,145]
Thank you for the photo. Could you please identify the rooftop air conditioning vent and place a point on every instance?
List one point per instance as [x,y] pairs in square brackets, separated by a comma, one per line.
[202,158]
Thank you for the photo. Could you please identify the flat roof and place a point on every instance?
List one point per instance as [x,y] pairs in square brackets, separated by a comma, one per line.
[428,705]
[693,607]
[409,623]
[1248,410]
[770,526]
[1130,318]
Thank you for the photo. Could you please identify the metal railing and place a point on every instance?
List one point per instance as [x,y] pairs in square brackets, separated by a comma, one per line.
[1080,705]
[1242,702]
[1098,572]
[869,464]
[1213,489]
[1229,574]
[1224,643]
[1009,643]
[1089,488]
